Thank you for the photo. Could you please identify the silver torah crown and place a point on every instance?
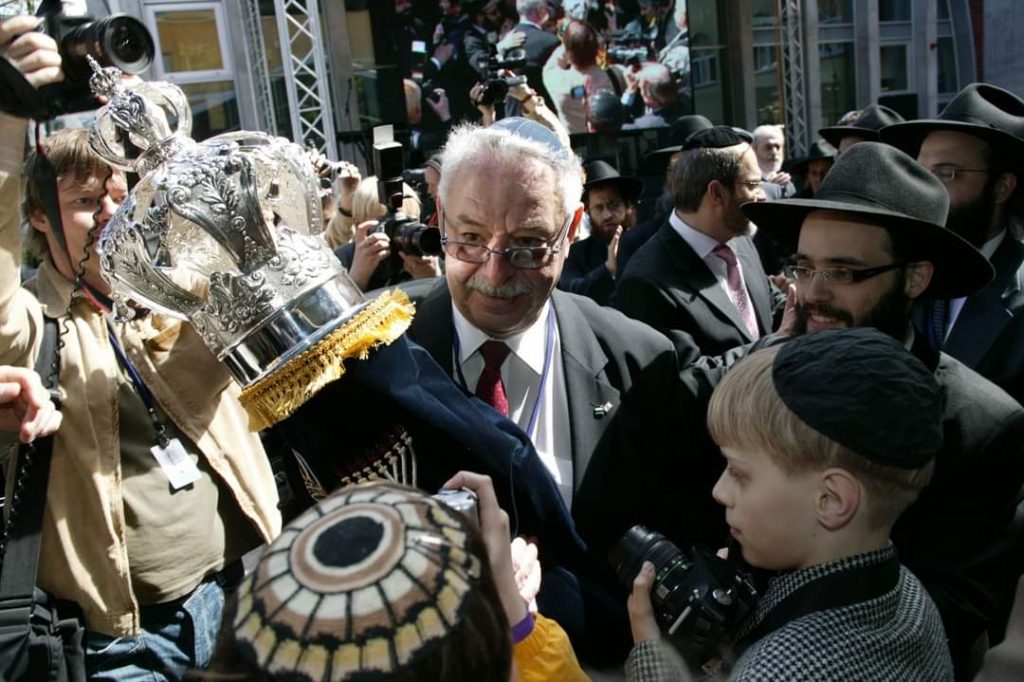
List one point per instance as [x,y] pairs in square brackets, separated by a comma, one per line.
[225,233]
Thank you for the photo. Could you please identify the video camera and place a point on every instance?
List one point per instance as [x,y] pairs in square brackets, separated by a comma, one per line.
[117,40]
[629,47]
[495,85]
[699,599]
[407,235]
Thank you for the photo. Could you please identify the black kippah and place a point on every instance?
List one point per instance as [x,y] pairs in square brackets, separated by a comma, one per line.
[862,389]
[714,138]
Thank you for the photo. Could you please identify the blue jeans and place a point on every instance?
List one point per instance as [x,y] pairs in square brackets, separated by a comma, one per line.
[176,637]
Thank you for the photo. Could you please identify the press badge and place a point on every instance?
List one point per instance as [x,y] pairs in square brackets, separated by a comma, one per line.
[177,465]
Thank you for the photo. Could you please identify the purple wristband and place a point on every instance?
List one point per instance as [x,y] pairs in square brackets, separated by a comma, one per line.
[523,628]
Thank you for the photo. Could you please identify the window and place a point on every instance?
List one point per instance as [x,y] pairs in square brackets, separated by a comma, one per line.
[948,82]
[835,12]
[192,53]
[894,68]
[838,84]
[894,10]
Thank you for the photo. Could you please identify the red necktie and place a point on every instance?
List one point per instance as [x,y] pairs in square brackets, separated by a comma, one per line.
[739,292]
[489,388]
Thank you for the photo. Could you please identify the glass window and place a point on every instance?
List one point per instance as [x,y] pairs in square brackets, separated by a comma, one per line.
[708,85]
[943,9]
[894,10]
[835,12]
[767,81]
[764,13]
[702,21]
[893,68]
[214,108]
[189,41]
[948,81]
[838,85]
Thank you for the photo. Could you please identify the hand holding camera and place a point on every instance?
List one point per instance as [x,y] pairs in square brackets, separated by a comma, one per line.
[372,248]
[32,53]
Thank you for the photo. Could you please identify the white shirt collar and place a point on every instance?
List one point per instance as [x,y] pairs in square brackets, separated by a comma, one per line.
[528,345]
[702,244]
[989,247]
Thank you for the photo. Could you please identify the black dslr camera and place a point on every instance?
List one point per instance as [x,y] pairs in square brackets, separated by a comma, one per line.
[407,235]
[699,599]
[495,85]
[117,40]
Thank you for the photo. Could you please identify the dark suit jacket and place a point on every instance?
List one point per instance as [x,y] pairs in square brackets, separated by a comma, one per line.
[539,45]
[988,335]
[670,288]
[584,272]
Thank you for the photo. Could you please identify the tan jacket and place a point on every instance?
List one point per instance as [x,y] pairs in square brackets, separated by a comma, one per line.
[83,556]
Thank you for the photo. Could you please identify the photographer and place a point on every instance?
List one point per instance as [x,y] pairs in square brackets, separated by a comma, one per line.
[146,556]
[369,256]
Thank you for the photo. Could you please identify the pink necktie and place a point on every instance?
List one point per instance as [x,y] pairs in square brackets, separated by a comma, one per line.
[489,388]
[739,292]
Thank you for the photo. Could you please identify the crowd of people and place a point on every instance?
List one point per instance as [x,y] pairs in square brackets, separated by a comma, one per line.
[815,368]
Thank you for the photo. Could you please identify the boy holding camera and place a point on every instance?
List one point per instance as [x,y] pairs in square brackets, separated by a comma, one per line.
[827,439]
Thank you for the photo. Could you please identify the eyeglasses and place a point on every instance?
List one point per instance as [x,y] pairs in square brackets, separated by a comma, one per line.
[522,257]
[947,174]
[838,275]
[614,206]
[750,184]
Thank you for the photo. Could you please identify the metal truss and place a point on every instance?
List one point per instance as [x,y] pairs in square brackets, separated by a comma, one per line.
[257,51]
[305,74]
[793,76]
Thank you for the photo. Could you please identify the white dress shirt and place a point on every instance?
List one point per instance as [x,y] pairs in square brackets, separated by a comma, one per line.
[957,304]
[521,375]
[704,247]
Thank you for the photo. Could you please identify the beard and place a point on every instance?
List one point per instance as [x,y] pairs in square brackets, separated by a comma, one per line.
[971,220]
[891,315]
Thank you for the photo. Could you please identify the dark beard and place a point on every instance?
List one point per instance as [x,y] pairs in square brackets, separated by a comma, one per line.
[891,315]
[971,220]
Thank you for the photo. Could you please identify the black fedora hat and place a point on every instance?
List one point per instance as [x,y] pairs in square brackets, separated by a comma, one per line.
[603,173]
[681,128]
[883,185]
[871,119]
[820,149]
[982,110]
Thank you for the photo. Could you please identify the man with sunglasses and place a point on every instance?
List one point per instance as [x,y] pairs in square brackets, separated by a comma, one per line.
[868,245]
[699,280]
[975,147]
[588,386]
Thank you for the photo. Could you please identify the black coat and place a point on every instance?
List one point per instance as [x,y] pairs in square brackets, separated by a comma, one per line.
[667,286]
[584,272]
[988,335]
[538,46]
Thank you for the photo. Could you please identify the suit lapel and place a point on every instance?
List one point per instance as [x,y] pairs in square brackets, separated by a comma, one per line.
[986,313]
[592,400]
[756,281]
[432,326]
[698,276]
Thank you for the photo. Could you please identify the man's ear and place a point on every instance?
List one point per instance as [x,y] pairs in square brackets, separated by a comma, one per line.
[38,221]
[574,226]
[1004,187]
[838,498]
[716,193]
[918,277]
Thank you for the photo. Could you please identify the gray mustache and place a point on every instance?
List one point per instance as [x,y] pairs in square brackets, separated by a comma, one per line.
[510,290]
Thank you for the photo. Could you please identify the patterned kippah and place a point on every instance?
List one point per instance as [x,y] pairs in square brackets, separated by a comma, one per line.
[362,585]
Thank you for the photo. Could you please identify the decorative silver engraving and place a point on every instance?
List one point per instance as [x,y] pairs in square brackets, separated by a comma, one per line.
[238,301]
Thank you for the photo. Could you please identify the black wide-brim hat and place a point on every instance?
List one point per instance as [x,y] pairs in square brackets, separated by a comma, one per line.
[602,173]
[872,119]
[820,149]
[681,128]
[984,111]
[885,186]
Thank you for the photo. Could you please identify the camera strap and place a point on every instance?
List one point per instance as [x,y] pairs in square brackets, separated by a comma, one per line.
[18,97]
[842,588]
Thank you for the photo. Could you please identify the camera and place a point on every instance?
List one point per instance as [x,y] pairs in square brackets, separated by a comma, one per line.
[407,235]
[462,500]
[117,40]
[699,599]
[629,47]
[495,85]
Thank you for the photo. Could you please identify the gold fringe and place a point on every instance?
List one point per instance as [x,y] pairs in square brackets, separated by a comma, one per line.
[279,394]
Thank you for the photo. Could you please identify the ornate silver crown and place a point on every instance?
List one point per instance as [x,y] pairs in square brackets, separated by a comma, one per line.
[225,233]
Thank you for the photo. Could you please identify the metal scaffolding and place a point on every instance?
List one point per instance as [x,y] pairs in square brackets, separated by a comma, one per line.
[257,51]
[794,77]
[305,74]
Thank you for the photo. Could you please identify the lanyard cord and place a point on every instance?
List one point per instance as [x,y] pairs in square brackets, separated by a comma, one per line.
[147,398]
[549,344]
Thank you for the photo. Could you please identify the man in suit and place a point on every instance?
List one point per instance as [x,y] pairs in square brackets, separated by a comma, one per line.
[538,45]
[610,200]
[867,245]
[586,384]
[770,147]
[699,279]
[975,148]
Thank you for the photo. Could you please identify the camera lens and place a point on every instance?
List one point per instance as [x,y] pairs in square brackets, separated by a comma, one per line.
[635,547]
[126,43]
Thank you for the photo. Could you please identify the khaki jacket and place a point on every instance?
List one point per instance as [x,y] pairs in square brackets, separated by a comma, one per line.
[83,556]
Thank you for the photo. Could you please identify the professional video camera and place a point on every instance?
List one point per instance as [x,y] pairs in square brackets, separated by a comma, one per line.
[699,599]
[407,235]
[496,85]
[629,48]
[117,40]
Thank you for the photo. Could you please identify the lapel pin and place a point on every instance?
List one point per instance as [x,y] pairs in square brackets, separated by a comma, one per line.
[601,410]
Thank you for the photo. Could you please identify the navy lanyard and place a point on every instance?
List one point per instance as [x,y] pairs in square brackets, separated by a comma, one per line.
[140,388]
[549,345]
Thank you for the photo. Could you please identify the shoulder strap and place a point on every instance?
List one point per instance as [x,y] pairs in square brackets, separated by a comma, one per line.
[23,530]
[613,76]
